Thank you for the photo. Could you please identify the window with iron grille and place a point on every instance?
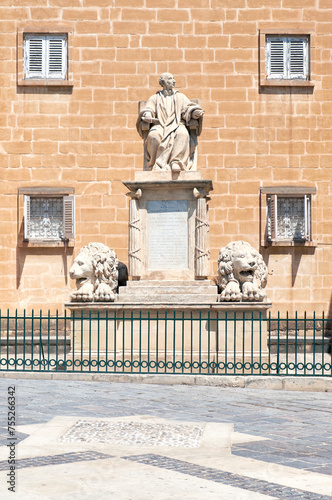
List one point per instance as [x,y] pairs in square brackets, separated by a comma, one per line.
[287,57]
[288,217]
[49,218]
[45,56]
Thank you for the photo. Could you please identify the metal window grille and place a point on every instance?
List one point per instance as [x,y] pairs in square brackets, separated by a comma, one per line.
[289,218]
[48,218]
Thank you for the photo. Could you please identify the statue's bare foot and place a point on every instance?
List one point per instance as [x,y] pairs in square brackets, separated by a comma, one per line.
[176,167]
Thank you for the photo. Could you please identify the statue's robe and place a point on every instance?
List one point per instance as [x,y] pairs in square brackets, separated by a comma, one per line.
[170,141]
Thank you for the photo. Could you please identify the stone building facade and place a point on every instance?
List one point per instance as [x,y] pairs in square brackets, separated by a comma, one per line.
[70,135]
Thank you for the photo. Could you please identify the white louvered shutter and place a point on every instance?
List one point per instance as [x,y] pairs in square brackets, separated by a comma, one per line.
[56,57]
[69,217]
[34,56]
[307,217]
[287,57]
[272,210]
[26,217]
[45,56]
[298,58]
[276,58]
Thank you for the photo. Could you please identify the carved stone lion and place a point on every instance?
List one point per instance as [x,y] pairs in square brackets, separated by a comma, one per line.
[242,273]
[95,270]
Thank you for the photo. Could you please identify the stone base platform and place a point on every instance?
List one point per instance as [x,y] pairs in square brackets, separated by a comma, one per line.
[171,338]
[169,292]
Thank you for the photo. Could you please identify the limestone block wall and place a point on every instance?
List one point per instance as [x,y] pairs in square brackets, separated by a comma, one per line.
[84,136]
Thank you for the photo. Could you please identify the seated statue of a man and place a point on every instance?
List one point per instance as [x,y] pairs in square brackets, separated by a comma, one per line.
[170,141]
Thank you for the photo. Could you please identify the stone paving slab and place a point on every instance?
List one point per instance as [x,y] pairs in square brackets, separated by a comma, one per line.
[280,445]
[121,480]
[215,475]
[195,462]
[63,458]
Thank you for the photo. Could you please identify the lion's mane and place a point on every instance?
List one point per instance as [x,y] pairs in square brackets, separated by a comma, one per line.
[105,264]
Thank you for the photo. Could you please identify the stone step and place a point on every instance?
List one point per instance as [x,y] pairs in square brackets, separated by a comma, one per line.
[168,298]
[159,283]
[165,290]
[292,344]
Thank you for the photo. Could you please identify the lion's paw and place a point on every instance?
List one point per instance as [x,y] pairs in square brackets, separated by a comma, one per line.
[81,296]
[104,293]
[250,292]
[232,293]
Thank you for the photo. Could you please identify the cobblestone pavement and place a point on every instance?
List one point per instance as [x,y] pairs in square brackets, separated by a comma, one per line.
[293,429]
[134,433]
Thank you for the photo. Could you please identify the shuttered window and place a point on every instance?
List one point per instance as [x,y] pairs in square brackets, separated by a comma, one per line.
[287,57]
[49,218]
[45,56]
[288,218]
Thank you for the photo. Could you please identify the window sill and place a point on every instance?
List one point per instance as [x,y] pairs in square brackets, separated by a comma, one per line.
[286,29]
[45,83]
[287,83]
[47,243]
[289,243]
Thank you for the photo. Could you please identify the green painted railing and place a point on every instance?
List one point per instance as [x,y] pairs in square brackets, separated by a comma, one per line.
[159,341]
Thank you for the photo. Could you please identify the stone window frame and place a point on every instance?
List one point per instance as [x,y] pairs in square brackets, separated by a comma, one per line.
[45,192]
[284,31]
[291,192]
[44,82]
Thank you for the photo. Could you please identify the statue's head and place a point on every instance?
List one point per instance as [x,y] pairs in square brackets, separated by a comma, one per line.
[240,262]
[82,267]
[167,81]
[95,264]
[244,263]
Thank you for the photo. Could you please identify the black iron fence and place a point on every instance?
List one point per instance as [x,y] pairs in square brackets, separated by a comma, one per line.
[154,341]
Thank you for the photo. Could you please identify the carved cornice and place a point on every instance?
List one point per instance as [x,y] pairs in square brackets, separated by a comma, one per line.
[199,185]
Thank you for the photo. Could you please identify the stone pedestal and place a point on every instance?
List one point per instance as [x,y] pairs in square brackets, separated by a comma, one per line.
[168,226]
[202,338]
[168,292]
[168,318]
[242,335]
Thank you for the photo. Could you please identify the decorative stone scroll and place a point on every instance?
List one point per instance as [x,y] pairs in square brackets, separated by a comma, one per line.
[134,235]
[242,273]
[95,270]
[202,228]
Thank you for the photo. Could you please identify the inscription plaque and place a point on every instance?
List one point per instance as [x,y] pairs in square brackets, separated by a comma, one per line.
[167,234]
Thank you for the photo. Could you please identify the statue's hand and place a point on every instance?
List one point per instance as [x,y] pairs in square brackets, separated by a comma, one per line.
[147,116]
[197,113]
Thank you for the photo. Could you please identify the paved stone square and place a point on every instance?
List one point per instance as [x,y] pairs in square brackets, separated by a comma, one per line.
[80,439]
[135,433]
